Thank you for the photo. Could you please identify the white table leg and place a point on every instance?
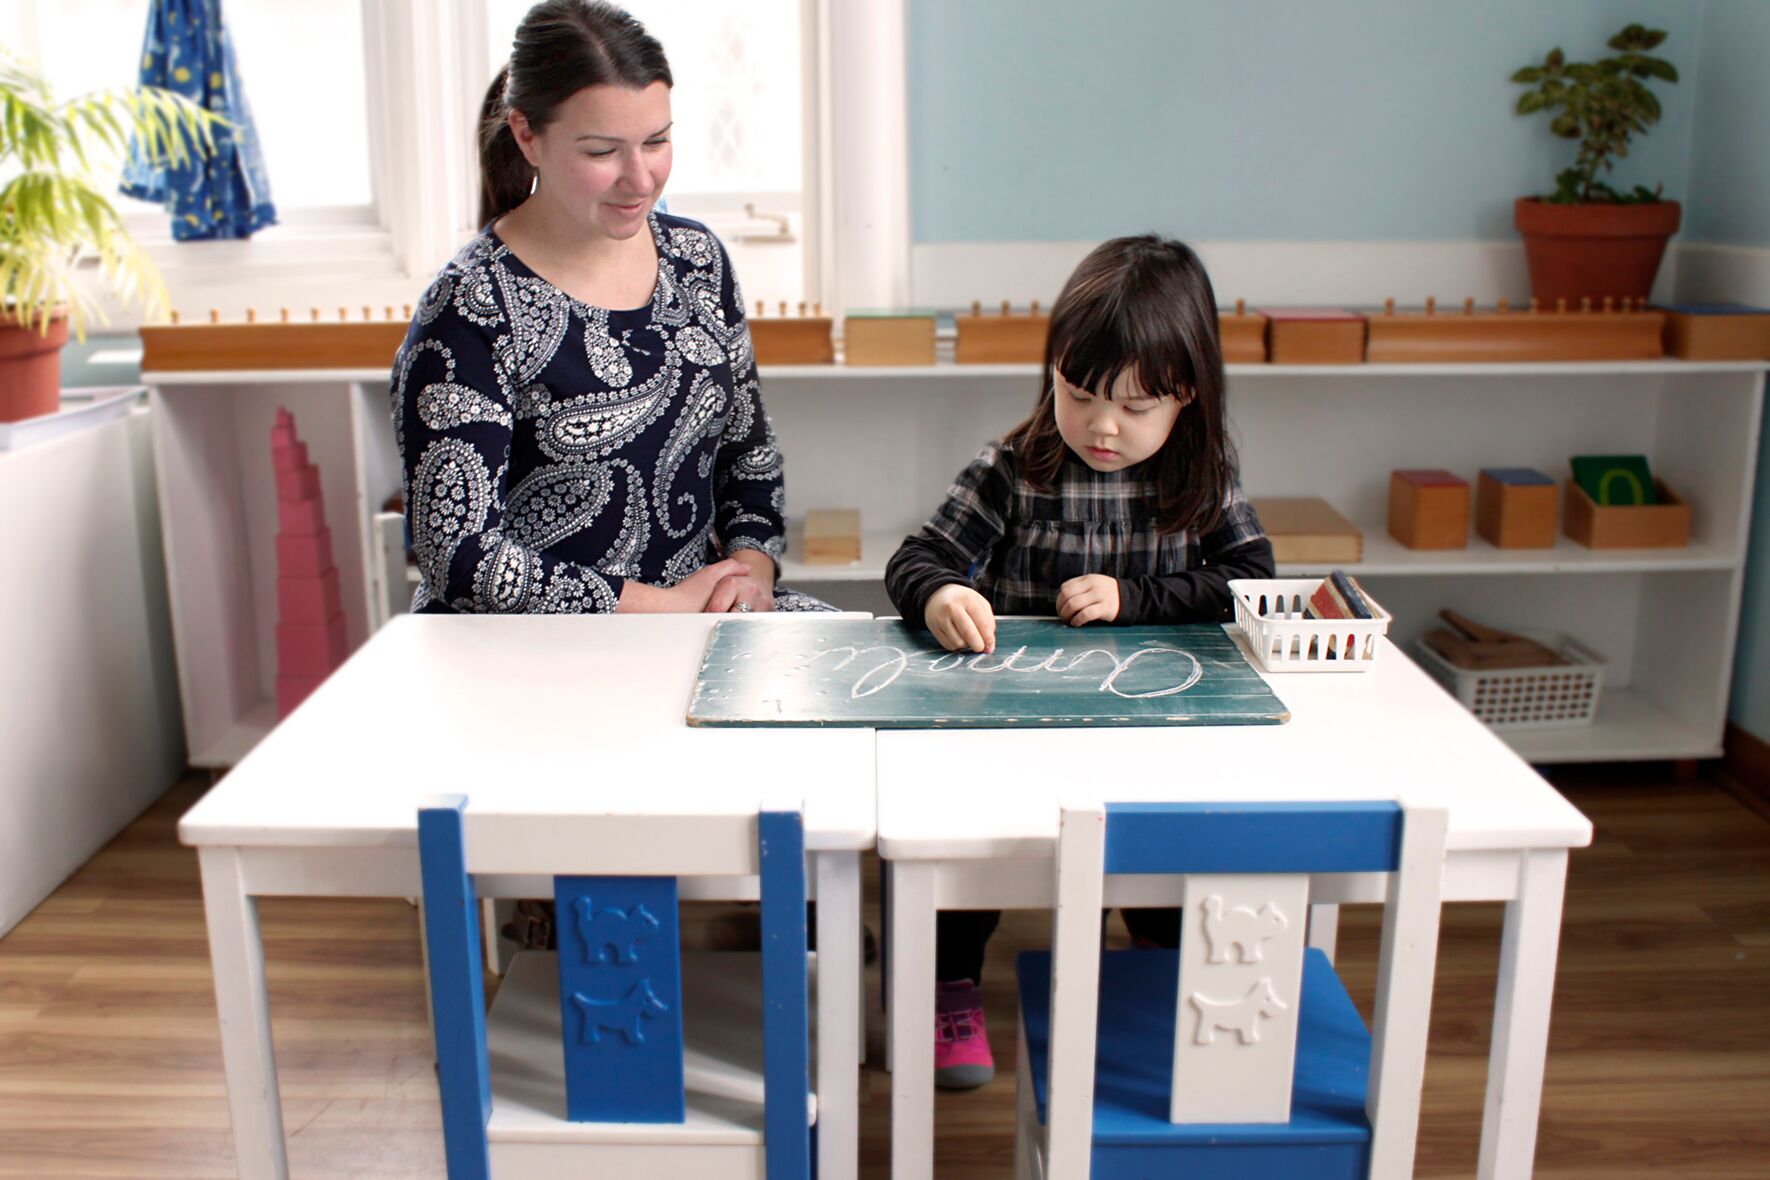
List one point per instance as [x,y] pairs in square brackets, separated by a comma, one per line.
[236,953]
[912,1023]
[838,1014]
[1324,928]
[1528,947]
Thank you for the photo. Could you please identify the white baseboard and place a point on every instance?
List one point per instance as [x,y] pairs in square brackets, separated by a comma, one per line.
[952,274]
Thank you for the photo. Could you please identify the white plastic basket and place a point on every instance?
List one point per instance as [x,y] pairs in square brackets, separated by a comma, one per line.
[1269,612]
[1558,696]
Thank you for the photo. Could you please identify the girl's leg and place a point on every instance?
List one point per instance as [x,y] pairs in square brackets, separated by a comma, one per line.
[962,1059]
[1153,927]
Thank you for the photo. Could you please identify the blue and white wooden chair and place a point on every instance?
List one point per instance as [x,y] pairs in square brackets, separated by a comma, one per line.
[620,1054]
[1239,1055]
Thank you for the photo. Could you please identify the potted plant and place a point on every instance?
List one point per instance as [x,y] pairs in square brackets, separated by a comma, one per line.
[53,218]
[1586,239]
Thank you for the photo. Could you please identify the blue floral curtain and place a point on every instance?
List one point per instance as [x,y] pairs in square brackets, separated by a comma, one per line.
[227,195]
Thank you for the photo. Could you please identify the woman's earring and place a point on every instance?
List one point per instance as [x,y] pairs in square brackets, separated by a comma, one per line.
[534,183]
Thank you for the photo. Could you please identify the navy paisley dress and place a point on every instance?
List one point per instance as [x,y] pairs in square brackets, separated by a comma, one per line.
[552,450]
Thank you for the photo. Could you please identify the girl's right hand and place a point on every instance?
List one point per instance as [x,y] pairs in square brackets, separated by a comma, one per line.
[961,619]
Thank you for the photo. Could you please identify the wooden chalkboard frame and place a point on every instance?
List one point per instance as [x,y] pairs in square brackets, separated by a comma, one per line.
[884,674]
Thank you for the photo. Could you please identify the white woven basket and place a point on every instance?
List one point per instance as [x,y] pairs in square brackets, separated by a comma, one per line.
[1269,612]
[1559,696]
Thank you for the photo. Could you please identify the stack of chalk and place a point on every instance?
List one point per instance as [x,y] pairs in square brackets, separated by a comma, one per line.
[1338,597]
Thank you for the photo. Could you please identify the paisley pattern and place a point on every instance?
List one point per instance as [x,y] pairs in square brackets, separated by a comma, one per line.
[552,449]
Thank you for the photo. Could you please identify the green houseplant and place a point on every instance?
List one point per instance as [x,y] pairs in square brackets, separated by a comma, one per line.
[54,219]
[1587,239]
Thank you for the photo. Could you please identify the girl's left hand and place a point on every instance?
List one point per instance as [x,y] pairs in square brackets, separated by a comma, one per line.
[1091,598]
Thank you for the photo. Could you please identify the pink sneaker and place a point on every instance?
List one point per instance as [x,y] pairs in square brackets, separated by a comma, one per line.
[962,1058]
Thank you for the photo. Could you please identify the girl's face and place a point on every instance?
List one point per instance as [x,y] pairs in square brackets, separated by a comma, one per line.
[605,157]
[1111,434]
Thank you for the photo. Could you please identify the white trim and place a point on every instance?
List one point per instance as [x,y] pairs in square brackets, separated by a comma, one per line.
[1713,273]
[863,151]
[952,274]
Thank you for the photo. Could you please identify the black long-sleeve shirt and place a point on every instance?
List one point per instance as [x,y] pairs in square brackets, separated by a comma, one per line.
[1017,544]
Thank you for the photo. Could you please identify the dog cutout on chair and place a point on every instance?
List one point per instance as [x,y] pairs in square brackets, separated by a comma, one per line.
[622,1015]
[1241,1017]
[1241,927]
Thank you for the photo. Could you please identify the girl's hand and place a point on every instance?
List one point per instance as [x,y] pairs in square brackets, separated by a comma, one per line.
[1091,598]
[961,619]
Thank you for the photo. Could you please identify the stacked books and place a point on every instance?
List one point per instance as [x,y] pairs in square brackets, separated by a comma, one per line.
[1338,597]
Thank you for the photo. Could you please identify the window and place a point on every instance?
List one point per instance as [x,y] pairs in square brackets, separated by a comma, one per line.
[302,65]
[738,104]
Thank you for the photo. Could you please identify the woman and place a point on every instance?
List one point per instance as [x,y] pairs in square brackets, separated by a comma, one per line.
[576,402]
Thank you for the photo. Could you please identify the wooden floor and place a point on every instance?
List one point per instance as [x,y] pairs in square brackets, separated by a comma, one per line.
[1659,1059]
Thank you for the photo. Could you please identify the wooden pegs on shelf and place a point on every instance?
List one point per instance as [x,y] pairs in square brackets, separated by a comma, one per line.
[1504,306]
[1560,306]
[316,315]
[1006,307]
[783,308]
[172,314]
[283,314]
[368,313]
[1241,306]
[251,315]
[1608,303]
[1035,307]
[343,314]
[390,311]
[1534,305]
[802,309]
[214,315]
[1585,303]
[977,307]
[406,314]
[759,309]
[817,309]
[1389,306]
[1431,305]
[1469,305]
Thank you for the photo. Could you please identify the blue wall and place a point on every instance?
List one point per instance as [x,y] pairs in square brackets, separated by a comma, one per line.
[1356,120]
[1731,174]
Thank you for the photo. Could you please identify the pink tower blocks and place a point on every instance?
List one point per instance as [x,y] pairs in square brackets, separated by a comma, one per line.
[310,612]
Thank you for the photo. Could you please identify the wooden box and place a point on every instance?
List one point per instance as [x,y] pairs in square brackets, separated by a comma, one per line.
[1428,509]
[1008,338]
[832,536]
[1665,525]
[1515,508]
[797,340]
[1503,336]
[1243,333]
[1314,336]
[1306,530]
[888,338]
[1718,332]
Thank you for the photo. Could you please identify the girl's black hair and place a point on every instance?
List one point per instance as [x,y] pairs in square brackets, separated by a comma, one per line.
[561,46]
[1143,305]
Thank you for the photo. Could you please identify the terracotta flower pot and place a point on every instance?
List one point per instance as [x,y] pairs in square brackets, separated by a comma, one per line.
[30,368]
[1590,251]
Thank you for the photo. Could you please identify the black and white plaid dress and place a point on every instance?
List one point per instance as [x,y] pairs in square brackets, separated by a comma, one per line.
[1016,544]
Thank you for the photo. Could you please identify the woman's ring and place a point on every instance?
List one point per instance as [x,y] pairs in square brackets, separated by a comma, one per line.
[742,608]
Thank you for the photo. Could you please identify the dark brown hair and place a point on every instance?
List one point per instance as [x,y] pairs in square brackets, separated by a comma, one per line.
[561,46]
[1143,305]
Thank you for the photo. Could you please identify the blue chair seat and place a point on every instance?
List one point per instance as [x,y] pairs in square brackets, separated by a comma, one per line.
[1328,1135]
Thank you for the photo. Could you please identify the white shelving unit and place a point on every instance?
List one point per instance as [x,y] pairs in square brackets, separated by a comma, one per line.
[889,440]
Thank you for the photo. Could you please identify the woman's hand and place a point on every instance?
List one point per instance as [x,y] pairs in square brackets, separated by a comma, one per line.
[752,588]
[687,597]
[961,619]
[1091,598]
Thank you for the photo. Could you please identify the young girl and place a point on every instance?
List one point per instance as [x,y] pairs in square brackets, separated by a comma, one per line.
[1116,501]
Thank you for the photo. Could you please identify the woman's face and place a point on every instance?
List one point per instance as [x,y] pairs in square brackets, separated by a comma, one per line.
[605,157]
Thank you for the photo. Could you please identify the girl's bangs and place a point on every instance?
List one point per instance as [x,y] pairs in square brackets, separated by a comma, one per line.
[1104,341]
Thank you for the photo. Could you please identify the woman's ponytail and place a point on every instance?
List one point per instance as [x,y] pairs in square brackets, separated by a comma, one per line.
[504,175]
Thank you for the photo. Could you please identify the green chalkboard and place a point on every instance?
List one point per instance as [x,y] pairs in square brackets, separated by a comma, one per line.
[884,674]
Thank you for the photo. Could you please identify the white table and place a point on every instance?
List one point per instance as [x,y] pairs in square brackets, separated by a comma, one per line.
[968,819]
[544,712]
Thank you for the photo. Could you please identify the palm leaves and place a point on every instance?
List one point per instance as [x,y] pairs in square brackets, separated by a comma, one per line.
[53,218]
[1602,104]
